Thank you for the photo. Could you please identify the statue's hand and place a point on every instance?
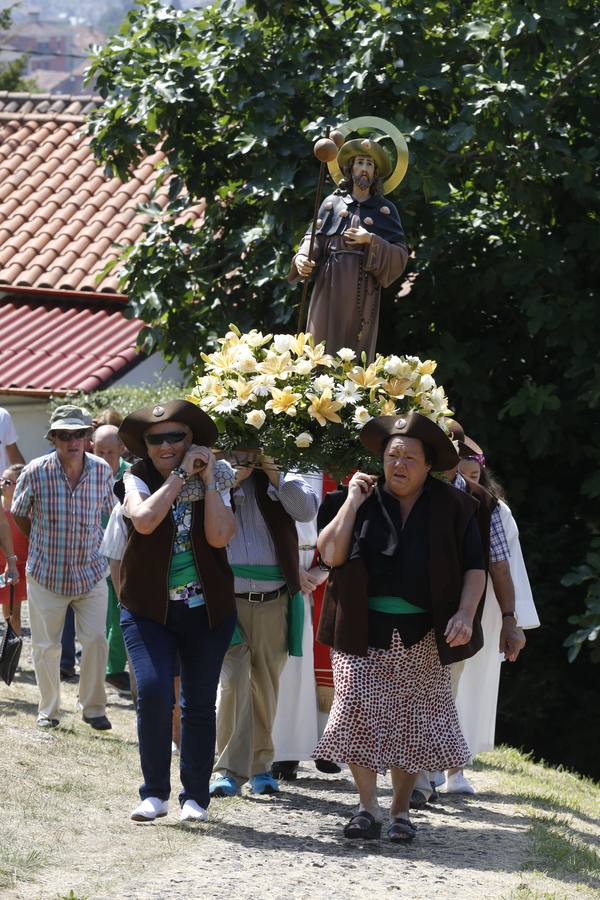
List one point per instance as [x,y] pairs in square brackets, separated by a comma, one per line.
[304,265]
[355,236]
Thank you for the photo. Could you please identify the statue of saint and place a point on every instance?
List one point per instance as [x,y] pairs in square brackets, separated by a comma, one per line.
[359,248]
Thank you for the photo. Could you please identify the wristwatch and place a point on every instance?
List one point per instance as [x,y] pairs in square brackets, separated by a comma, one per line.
[181,473]
[211,487]
[511,615]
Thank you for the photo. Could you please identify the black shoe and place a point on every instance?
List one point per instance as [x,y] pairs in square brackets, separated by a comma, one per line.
[285,770]
[100,723]
[329,768]
[120,681]
[69,675]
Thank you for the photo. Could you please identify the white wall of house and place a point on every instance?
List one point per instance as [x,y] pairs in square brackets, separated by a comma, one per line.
[30,414]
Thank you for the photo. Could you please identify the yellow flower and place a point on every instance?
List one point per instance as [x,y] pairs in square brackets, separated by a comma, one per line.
[243,389]
[387,408]
[317,355]
[256,338]
[366,378]
[298,344]
[324,408]
[278,364]
[398,387]
[222,361]
[427,367]
[283,401]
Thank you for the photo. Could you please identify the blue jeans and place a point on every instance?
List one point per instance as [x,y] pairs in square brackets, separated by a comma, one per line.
[153,649]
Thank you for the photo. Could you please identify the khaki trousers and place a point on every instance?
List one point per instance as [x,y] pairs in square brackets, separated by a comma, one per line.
[249,688]
[47,612]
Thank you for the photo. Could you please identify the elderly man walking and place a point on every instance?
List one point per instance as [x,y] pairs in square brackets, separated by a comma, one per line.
[107,444]
[58,503]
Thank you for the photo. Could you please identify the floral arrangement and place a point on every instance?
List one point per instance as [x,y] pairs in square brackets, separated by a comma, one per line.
[305,407]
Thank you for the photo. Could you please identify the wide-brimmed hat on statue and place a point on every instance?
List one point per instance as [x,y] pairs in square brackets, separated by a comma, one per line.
[137,423]
[379,430]
[365,147]
[69,418]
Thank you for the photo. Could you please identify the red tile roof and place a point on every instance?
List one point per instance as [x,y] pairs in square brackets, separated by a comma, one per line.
[59,215]
[48,347]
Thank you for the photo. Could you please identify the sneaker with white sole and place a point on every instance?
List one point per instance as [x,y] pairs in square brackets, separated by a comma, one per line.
[458,784]
[149,809]
[193,812]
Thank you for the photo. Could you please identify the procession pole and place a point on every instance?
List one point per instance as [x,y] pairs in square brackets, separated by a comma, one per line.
[303,312]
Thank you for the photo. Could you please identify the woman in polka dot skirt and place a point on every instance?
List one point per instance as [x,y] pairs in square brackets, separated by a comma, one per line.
[404,601]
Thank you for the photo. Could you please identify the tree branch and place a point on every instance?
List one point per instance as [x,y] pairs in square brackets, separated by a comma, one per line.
[325,15]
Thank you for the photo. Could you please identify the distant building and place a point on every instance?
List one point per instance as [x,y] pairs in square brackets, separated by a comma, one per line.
[56,51]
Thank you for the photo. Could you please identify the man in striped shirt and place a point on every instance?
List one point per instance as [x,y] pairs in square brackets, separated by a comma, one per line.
[58,503]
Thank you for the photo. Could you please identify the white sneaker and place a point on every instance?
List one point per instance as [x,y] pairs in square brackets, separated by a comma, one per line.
[193,812]
[458,784]
[149,809]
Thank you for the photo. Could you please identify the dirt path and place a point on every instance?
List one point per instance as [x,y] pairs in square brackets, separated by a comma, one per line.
[66,798]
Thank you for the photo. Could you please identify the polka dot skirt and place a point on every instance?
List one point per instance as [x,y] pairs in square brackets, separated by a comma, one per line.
[393,708]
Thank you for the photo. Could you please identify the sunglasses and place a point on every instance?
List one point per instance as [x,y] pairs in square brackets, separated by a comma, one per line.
[171,437]
[72,435]
[5,481]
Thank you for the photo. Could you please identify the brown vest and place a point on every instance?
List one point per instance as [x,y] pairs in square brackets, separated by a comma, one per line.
[282,529]
[344,622]
[147,558]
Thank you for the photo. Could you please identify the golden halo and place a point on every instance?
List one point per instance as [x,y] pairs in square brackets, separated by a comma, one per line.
[385,127]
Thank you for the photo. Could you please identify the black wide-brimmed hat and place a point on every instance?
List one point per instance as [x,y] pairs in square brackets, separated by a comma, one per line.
[135,425]
[379,430]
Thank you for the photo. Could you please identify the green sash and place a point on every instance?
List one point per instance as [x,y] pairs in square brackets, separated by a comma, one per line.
[393,606]
[295,606]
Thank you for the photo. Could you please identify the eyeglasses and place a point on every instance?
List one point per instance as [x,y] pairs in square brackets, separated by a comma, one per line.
[72,435]
[171,437]
[5,481]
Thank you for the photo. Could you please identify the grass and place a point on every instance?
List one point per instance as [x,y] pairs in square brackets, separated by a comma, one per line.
[18,863]
[563,811]
[555,846]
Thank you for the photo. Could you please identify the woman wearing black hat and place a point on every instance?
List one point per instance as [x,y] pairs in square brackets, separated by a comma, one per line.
[401,605]
[176,590]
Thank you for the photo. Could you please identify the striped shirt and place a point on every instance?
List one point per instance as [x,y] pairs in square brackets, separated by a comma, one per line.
[66,530]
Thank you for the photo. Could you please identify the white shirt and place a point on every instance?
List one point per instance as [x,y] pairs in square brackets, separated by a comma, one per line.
[8,435]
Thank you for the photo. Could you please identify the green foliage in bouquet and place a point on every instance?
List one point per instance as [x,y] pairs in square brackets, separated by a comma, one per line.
[303,406]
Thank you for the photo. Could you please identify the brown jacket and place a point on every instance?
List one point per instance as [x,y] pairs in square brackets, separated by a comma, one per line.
[147,558]
[344,618]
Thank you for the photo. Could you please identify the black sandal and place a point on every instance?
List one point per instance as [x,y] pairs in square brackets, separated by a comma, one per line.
[363,826]
[401,831]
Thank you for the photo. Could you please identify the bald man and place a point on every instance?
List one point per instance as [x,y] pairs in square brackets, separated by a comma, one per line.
[107,444]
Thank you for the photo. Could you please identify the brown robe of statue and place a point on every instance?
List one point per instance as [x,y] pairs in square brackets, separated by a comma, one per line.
[344,305]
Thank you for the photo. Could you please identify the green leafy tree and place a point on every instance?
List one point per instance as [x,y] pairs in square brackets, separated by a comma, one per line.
[11,74]
[500,205]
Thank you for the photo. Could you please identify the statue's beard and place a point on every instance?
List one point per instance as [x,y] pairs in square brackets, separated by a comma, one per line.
[362,181]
